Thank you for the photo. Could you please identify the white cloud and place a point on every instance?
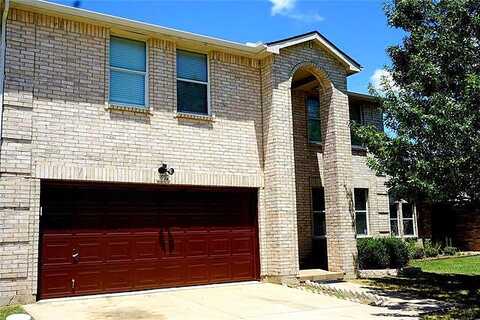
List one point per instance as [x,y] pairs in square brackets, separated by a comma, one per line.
[282,6]
[381,80]
[287,8]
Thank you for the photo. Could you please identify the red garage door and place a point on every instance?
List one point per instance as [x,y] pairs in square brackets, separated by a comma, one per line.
[103,238]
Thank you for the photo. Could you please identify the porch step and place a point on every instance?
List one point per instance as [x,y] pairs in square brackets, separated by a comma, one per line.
[319,275]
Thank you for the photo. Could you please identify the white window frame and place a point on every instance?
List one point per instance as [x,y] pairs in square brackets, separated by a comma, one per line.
[390,219]
[400,220]
[367,220]
[209,111]
[145,73]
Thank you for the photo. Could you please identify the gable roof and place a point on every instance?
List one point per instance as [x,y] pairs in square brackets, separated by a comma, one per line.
[352,65]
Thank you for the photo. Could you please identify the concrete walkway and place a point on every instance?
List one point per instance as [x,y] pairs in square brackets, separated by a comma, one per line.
[250,301]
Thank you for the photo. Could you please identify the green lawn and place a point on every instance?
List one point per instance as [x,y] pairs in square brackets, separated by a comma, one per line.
[458,265]
[454,280]
[8,310]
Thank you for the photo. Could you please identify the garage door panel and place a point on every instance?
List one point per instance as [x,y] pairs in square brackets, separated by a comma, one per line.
[198,271]
[242,267]
[219,244]
[118,248]
[118,277]
[173,272]
[88,280]
[90,248]
[132,238]
[197,246]
[242,243]
[56,283]
[146,275]
[57,249]
[220,269]
[146,246]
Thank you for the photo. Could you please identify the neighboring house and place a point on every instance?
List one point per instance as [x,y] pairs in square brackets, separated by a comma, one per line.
[449,225]
[267,180]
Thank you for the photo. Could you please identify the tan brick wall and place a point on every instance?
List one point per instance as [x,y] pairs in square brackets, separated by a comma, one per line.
[58,125]
[309,172]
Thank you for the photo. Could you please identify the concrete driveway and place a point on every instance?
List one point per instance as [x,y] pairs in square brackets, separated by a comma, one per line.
[252,301]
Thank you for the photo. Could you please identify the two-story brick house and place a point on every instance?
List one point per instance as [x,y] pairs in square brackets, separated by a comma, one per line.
[266,178]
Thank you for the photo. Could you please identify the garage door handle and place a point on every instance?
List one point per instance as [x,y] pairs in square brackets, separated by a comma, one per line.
[76,256]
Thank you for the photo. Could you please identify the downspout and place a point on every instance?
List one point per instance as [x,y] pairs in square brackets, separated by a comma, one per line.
[2,64]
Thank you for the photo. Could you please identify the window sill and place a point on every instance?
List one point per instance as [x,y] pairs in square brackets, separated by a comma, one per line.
[195,117]
[363,236]
[132,109]
[316,144]
[358,148]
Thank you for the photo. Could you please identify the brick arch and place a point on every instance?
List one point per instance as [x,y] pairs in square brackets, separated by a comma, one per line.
[322,76]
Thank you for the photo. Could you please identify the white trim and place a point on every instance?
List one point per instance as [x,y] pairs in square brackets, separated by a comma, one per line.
[367,202]
[207,83]
[194,81]
[401,233]
[275,48]
[2,61]
[144,73]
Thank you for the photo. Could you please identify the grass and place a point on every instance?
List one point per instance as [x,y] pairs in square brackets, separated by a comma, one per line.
[8,310]
[453,280]
[460,265]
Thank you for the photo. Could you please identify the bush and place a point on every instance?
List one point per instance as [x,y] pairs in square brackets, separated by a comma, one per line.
[450,251]
[415,251]
[372,254]
[431,249]
[398,252]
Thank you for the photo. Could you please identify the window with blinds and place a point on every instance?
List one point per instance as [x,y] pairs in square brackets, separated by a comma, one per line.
[192,82]
[128,72]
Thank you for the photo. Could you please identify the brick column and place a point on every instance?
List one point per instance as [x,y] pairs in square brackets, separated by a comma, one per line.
[279,222]
[341,240]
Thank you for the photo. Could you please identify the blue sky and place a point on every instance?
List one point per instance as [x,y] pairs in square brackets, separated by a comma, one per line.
[358,27]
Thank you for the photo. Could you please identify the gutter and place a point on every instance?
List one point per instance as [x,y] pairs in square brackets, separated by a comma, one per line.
[2,64]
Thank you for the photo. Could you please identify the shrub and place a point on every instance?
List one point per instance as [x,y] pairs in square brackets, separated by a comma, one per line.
[450,251]
[431,249]
[381,253]
[372,254]
[398,252]
[415,251]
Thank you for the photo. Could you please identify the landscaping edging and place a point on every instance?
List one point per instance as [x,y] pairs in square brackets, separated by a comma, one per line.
[377,273]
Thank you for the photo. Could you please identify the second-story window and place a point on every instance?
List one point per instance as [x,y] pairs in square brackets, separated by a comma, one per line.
[192,82]
[356,116]
[314,125]
[361,211]
[128,72]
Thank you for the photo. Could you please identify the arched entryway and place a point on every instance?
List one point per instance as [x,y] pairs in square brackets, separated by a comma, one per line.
[309,95]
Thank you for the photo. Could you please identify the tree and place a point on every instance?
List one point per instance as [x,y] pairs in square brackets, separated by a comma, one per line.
[431,103]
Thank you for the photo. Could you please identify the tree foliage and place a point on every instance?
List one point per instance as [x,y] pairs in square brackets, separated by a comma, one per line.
[432,103]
